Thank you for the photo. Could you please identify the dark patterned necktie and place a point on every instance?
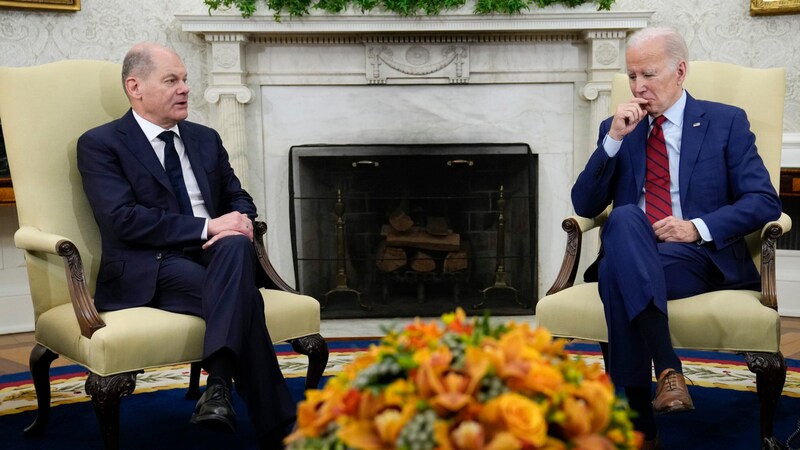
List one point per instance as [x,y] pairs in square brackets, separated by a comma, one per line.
[172,165]
[658,203]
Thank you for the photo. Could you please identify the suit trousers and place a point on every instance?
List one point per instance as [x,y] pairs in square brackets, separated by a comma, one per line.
[219,285]
[635,270]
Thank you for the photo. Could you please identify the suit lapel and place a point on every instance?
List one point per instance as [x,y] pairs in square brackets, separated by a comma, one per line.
[142,150]
[192,148]
[695,125]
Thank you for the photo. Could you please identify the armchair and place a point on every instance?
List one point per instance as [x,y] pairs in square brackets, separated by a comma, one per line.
[44,109]
[739,321]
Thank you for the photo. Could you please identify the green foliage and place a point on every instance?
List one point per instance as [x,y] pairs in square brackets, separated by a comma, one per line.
[401,7]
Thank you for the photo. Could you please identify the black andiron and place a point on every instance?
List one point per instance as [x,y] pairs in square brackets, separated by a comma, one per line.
[500,283]
[341,274]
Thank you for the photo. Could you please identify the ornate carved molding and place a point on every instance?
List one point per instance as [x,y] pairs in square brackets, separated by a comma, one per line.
[417,61]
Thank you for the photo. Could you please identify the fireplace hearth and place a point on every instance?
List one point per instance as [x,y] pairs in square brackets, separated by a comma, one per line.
[407,230]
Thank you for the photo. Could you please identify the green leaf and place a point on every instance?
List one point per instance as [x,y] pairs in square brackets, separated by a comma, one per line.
[404,8]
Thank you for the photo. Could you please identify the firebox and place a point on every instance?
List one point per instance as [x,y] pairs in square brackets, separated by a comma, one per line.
[414,230]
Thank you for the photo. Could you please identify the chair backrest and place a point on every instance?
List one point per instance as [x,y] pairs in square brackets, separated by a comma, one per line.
[760,92]
[43,111]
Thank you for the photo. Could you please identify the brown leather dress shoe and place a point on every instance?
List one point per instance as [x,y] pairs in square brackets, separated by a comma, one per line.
[672,395]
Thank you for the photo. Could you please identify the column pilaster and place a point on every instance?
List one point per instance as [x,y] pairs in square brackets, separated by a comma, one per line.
[229,91]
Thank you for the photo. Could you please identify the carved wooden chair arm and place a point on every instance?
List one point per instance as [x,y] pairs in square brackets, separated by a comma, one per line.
[769,237]
[575,226]
[34,240]
[275,280]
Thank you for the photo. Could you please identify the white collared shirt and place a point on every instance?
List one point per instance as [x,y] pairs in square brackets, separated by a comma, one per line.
[151,131]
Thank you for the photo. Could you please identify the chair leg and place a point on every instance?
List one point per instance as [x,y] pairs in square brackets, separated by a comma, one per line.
[315,347]
[770,370]
[39,363]
[604,350]
[193,393]
[106,393]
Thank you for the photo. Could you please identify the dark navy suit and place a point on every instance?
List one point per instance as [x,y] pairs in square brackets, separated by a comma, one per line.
[151,253]
[722,180]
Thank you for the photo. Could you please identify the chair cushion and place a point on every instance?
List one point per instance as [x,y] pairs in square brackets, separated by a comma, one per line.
[721,320]
[141,338]
[290,316]
[133,339]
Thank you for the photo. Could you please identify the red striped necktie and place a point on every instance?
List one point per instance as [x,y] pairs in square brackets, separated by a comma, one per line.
[658,203]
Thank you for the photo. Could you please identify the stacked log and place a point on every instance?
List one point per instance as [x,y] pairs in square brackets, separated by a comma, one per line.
[420,248]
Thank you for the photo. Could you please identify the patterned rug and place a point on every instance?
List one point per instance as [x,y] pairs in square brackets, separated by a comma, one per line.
[704,369]
[712,374]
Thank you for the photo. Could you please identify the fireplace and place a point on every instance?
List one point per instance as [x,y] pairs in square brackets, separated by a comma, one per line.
[541,79]
[394,230]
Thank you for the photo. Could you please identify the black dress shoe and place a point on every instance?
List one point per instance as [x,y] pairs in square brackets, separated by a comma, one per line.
[214,409]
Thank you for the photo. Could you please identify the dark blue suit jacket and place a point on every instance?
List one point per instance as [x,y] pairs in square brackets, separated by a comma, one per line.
[722,179]
[136,209]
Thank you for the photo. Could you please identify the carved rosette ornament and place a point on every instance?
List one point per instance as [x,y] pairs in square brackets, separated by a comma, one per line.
[415,61]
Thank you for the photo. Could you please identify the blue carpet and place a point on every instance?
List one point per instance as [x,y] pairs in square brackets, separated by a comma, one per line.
[724,419]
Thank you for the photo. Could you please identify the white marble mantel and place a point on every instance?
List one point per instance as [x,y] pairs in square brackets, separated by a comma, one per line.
[541,78]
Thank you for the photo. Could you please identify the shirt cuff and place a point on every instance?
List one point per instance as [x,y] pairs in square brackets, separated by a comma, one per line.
[611,146]
[705,235]
[204,236]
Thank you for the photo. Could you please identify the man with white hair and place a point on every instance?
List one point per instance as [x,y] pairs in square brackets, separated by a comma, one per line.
[687,185]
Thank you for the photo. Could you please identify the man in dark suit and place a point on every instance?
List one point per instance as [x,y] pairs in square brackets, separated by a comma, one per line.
[716,190]
[177,234]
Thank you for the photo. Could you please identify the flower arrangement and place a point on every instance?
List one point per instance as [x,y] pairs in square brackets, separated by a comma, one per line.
[465,385]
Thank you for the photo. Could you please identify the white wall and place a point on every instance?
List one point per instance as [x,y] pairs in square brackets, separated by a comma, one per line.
[104,29]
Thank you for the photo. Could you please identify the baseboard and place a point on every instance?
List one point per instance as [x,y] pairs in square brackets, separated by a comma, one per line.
[16,308]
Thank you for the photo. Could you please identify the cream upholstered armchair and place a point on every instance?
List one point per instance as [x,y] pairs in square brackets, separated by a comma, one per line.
[736,321]
[44,109]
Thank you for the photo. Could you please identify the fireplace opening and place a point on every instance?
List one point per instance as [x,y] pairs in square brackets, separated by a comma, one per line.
[414,230]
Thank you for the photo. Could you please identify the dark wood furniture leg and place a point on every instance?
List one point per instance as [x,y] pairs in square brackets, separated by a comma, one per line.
[106,393]
[39,363]
[770,370]
[315,347]
[193,393]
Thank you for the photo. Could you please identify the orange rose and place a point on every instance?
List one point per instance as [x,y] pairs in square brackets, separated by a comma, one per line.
[518,414]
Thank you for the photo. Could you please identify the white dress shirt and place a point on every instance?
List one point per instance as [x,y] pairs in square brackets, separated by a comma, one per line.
[151,131]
